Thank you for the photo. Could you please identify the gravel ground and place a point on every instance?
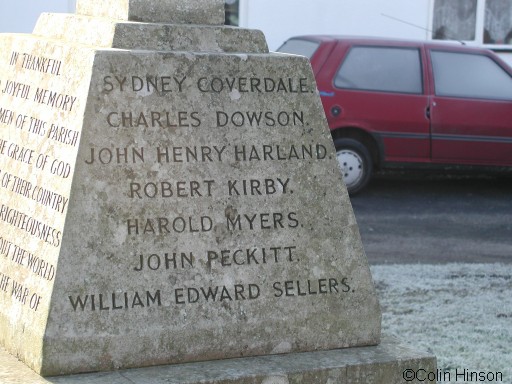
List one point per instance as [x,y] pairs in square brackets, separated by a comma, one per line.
[462,313]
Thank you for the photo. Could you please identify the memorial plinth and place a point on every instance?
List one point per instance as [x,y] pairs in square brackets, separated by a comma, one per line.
[169,194]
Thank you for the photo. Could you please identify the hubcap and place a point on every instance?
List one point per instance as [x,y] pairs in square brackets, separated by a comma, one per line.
[351,165]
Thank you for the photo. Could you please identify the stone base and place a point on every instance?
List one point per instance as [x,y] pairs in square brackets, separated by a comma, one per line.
[386,363]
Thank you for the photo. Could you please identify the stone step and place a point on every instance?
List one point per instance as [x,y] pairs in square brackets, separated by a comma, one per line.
[388,363]
[103,32]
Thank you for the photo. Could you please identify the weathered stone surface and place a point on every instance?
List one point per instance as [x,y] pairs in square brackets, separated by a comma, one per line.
[42,109]
[225,168]
[165,206]
[385,363]
[239,187]
[108,33]
[156,11]
[204,209]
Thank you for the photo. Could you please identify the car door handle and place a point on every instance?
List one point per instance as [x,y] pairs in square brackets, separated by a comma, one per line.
[427,112]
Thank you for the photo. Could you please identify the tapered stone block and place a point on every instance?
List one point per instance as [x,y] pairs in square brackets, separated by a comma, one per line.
[169,202]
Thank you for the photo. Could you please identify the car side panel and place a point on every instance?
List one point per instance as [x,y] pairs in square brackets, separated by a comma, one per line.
[472,131]
[400,120]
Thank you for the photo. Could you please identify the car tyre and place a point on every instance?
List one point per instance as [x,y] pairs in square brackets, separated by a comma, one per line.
[355,163]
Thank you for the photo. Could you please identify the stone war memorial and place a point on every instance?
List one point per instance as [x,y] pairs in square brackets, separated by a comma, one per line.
[172,210]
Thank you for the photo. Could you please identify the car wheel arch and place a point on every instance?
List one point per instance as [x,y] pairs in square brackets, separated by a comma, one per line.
[372,142]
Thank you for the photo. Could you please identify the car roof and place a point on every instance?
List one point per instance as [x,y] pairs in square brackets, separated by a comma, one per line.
[369,40]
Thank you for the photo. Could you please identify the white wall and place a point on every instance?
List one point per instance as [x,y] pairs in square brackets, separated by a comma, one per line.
[281,19]
[21,15]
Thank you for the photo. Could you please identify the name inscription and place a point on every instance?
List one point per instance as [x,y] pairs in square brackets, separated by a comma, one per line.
[178,296]
[205,154]
[164,84]
[165,153]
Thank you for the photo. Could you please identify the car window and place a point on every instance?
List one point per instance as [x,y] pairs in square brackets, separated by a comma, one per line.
[385,69]
[300,47]
[470,76]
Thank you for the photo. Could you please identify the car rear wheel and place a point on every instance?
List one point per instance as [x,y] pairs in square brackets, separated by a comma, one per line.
[355,163]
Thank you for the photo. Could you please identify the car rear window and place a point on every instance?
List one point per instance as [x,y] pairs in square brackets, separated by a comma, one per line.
[300,47]
[386,69]
[470,75]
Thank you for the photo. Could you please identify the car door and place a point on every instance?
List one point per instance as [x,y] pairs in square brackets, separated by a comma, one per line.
[471,112]
[379,88]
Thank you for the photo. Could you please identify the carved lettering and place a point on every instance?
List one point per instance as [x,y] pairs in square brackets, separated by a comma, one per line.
[63,135]
[257,187]
[168,261]
[41,195]
[21,154]
[14,58]
[278,152]
[115,301]
[4,282]
[165,225]
[222,293]
[153,119]
[6,116]
[41,64]
[195,154]
[297,288]
[16,89]
[21,293]
[251,256]
[257,221]
[40,267]
[218,84]
[166,189]
[116,156]
[147,84]
[37,126]
[260,119]
[30,225]
[55,99]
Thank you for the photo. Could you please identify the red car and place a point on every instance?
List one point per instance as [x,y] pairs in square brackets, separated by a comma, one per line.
[394,103]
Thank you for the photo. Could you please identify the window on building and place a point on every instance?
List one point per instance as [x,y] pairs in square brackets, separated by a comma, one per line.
[384,69]
[232,12]
[455,19]
[498,22]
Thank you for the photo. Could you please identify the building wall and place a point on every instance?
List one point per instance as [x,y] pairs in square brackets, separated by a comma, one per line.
[281,19]
[464,20]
